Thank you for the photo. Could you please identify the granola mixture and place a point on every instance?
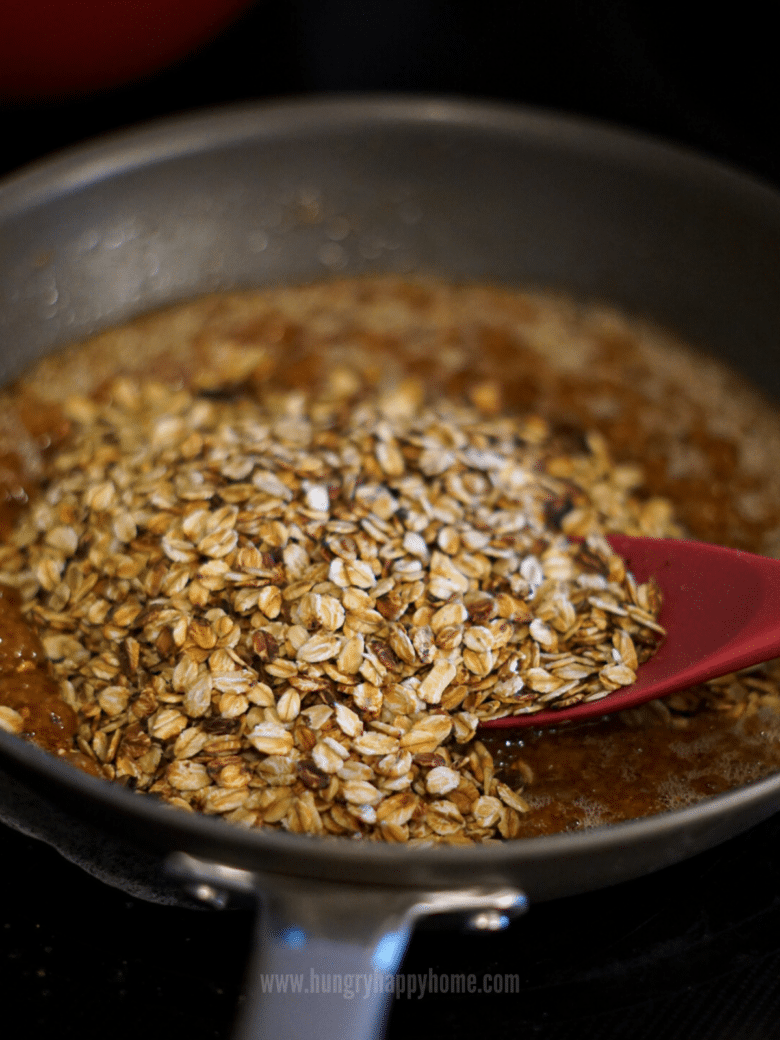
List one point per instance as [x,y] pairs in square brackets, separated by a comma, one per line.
[283,566]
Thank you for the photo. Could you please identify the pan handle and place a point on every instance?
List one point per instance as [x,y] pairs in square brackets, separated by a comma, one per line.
[327,954]
[343,945]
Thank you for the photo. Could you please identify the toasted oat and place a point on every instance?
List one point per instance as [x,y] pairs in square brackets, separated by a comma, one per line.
[294,609]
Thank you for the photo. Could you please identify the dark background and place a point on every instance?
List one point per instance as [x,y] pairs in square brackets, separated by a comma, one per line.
[691,952]
[706,77]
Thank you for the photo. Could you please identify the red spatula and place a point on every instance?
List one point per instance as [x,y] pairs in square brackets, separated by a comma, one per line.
[721,612]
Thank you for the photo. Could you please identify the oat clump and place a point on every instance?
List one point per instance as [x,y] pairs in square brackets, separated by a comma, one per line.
[294,610]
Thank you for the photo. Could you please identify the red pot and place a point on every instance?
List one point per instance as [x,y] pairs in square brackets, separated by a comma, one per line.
[51,48]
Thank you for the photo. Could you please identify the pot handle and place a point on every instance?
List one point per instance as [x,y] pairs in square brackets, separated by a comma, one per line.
[327,954]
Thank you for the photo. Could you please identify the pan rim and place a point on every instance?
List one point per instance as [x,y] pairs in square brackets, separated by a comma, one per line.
[249,845]
[167,138]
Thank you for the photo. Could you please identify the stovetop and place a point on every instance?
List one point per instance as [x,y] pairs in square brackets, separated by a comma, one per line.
[693,951]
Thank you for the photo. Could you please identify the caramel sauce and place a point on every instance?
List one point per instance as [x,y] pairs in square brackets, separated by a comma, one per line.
[607,771]
[26,686]
[573,777]
[25,683]
[45,427]
[12,491]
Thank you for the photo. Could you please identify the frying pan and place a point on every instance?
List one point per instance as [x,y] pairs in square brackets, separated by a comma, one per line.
[247,196]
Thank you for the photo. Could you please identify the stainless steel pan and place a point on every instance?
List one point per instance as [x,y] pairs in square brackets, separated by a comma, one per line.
[250,196]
